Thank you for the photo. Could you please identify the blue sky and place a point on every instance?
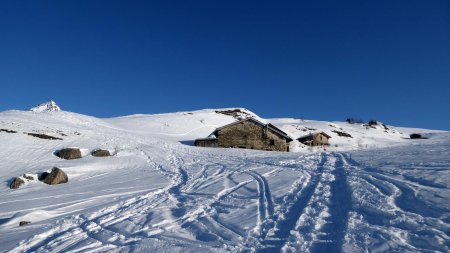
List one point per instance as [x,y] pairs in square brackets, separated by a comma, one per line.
[325,60]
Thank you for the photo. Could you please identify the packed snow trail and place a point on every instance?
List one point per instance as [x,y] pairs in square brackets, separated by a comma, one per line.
[313,219]
[332,235]
[315,214]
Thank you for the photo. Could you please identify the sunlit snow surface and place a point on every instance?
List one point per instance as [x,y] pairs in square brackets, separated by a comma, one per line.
[376,192]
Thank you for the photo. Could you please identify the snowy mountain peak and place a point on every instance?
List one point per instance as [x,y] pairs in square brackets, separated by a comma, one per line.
[49,106]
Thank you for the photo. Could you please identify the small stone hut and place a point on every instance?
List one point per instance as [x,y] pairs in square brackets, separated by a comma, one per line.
[248,133]
[315,139]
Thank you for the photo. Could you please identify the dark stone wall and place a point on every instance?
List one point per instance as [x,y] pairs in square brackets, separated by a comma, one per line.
[206,143]
[250,135]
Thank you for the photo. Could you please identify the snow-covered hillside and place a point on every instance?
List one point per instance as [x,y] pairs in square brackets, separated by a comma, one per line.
[376,191]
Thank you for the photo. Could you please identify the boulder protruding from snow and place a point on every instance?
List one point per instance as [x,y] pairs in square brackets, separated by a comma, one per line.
[56,176]
[49,106]
[415,136]
[16,183]
[24,222]
[100,153]
[69,153]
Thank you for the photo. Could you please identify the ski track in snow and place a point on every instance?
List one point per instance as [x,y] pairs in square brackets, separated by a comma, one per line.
[259,202]
[265,205]
[393,210]
[313,216]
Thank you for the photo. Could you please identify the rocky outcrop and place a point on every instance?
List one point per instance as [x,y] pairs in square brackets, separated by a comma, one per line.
[44,136]
[16,183]
[100,153]
[23,223]
[56,176]
[8,131]
[69,153]
[235,113]
[342,134]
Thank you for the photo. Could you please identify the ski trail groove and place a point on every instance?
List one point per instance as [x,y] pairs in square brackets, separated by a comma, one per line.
[265,203]
[315,213]
[333,232]
[395,199]
[96,225]
[286,223]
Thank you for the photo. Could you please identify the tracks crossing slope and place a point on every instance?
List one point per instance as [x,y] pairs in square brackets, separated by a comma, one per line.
[331,204]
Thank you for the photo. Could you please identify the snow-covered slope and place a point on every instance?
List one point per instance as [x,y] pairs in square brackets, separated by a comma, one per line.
[376,191]
[49,106]
[187,126]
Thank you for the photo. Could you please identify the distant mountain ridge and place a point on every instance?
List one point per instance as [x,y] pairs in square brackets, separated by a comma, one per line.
[49,106]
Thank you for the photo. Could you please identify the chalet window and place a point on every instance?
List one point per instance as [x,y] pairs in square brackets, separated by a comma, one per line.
[272,142]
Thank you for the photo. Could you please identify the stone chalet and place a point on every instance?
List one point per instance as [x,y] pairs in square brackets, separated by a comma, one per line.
[315,139]
[247,133]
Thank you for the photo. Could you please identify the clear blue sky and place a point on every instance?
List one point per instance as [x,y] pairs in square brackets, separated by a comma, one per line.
[326,60]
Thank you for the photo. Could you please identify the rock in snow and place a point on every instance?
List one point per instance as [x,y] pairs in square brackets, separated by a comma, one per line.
[16,183]
[23,223]
[100,153]
[49,106]
[56,176]
[69,153]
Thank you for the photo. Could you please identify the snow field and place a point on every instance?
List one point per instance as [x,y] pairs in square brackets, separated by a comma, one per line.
[158,194]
